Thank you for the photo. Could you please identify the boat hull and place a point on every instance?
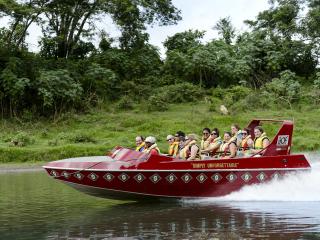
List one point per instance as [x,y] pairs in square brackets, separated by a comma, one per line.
[139,184]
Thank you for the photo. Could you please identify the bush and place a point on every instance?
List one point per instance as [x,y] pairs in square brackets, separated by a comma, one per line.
[215,104]
[21,139]
[53,142]
[101,81]
[218,92]
[315,92]
[232,98]
[235,94]
[125,103]
[286,88]
[58,88]
[82,138]
[157,103]
[178,93]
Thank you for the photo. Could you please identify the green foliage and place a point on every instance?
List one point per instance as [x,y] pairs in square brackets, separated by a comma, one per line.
[125,103]
[235,94]
[276,57]
[120,128]
[286,88]
[315,91]
[81,137]
[184,41]
[157,102]
[58,89]
[21,139]
[13,86]
[225,29]
[178,93]
[101,82]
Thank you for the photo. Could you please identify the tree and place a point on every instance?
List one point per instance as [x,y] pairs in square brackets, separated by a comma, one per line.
[310,26]
[225,29]
[21,15]
[69,21]
[183,41]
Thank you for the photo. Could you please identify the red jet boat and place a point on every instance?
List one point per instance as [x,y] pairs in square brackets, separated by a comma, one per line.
[127,174]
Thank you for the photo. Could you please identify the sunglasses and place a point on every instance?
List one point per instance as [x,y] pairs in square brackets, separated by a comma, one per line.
[205,133]
[213,133]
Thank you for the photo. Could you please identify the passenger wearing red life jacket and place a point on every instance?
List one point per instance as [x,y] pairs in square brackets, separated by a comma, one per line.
[261,140]
[140,143]
[228,148]
[246,143]
[191,150]
[214,143]
[151,146]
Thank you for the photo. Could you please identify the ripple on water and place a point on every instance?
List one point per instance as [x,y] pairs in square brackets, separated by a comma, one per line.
[33,206]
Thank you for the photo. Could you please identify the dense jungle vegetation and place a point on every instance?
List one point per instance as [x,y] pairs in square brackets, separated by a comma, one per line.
[272,66]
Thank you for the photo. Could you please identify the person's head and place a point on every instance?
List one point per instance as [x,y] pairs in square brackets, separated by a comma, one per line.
[139,140]
[170,139]
[150,141]
[227,136]
[206,133]
[234,128]
[190,137]
[215,133]
[245,132]
[258,130]
[179,136]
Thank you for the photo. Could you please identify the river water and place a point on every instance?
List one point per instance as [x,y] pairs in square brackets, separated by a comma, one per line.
[33,206]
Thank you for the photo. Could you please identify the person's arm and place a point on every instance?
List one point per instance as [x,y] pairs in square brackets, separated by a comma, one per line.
[250,143]
[211,148]
[193,154]
[265,143]
[233,150]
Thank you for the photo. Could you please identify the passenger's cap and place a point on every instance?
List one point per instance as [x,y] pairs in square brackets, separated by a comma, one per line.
[150,139]
[169,137]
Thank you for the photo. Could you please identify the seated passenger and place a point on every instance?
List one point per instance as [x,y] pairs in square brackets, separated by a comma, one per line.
[151,146]
[191,151]
[236,134]
[261,141]
[228,148]
[214,143]
[179,137]
[246,143]
[140,144]
[173,146]
[205,138]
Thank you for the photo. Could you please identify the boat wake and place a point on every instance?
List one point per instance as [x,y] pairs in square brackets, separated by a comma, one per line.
[293,187]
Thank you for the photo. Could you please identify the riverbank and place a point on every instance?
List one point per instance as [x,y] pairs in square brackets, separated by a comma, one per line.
[20,167]
[98,131]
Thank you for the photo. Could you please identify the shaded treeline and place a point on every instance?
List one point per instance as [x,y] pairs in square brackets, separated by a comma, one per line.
[279,56]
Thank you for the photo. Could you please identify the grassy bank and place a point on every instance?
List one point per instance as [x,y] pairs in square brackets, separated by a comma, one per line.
[100,130]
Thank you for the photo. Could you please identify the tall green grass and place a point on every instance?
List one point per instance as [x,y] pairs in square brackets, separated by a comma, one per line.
[98,131]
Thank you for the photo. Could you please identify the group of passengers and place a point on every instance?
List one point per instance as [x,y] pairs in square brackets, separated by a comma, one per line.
[237,142]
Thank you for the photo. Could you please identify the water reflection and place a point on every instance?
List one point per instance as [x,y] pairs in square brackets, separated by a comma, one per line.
[32,206]
[191,221]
